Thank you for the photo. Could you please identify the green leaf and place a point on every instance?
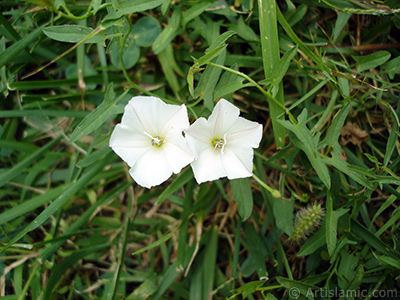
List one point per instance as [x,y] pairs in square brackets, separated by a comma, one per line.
[229,83]
[331,219]
[181,180]
[248,288]
[169,67]
[241,191]
[96,4]
[244,31]
[73,34]
[297,287]
[390,261]
[210,55]
[146,31]
[347,266]
[316,241]
[393,67]
[357,278]
[99,116]
[344,86]
[360,232]
[371,61]
[350,170]
[310,93]
[169,33]
[126,7]
[283,212]
[220,41]
[282,67]
[208,80]
[130,54]
[304,140]
[341,21]
[335,129]
[393,137]
[193,12]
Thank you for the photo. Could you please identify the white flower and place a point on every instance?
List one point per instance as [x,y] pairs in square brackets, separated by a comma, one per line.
[223,144]
[150,140]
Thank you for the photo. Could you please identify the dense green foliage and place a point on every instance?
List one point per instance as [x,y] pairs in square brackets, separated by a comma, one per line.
[320,214]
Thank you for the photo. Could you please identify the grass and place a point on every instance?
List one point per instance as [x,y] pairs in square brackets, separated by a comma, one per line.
[318,220]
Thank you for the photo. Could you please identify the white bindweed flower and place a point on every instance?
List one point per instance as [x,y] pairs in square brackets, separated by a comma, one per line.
[223,144]
[150,140]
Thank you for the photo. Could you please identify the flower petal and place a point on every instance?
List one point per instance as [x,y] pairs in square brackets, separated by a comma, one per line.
[244,133]
[129,144]
[174,121]
[222,117]
[155,115]
[198,136]
[130,118]
[238,162]
[177,153]
[151,169]
[208,166]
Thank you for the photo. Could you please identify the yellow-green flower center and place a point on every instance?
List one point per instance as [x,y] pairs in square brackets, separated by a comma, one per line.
[156,141]
[219,143]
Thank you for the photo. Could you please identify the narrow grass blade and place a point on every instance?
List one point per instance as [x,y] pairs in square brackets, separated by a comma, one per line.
[316,59]
[11,173]
[56,205]
[182,179]
[255,248]
[167,279]
[210,260]
[66,264]
[30,205]
[19,46]
[270,54]
[42,113]
[85,217]
[363,233]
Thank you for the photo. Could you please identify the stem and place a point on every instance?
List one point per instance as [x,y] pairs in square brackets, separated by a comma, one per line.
[275,193]
[92,34]
[121,62]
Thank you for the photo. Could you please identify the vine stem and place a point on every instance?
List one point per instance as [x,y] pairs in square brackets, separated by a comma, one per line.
[275,193]
[121,62]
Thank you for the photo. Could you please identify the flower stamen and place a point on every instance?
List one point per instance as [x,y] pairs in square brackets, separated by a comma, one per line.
[219,143]
[155,141]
